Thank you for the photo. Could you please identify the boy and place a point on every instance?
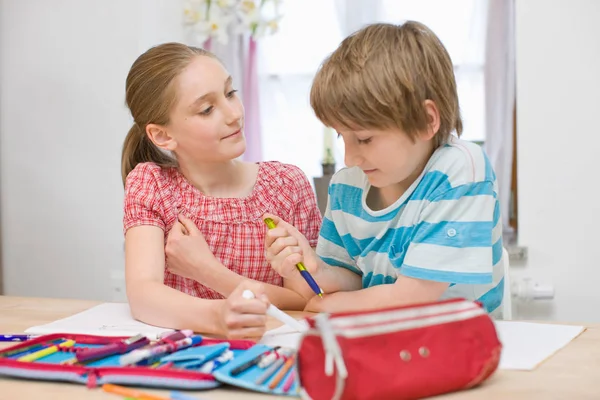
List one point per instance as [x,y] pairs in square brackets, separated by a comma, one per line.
[414,217]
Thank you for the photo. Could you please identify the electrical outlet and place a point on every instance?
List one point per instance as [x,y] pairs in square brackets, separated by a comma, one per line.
[527,289]
[517,253]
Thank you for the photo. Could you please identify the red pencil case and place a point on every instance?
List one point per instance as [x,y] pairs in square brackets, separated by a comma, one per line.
[107,370]
[398,353]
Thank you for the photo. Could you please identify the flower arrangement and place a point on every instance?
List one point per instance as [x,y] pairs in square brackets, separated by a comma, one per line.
[206,19]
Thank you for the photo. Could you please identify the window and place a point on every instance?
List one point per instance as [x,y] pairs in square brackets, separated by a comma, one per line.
[311,29]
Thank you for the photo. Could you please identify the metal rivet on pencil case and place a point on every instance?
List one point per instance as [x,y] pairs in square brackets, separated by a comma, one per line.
[405,355]
[424,352]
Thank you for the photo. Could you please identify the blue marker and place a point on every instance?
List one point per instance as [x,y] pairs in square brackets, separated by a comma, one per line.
[16,338]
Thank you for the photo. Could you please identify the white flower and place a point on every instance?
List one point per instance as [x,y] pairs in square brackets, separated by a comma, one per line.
[248,6]
[194,11]
[272,26]
[191,16]
[225,3]
[212,18]
[214,27]
[249,18]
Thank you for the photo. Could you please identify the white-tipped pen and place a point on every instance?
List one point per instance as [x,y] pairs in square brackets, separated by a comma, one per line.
[278,314]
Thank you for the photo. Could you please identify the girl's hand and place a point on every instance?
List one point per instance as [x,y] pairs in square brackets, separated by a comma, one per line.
[188,254]
[243,318]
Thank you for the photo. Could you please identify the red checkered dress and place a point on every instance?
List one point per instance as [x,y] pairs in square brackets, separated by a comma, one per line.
[232,227]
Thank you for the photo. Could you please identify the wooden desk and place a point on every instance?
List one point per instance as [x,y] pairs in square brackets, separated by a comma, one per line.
[572,373]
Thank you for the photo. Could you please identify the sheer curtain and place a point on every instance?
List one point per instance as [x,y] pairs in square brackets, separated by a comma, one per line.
[461,26]
[500,97]
[354,14]
[311,29]
[240,57]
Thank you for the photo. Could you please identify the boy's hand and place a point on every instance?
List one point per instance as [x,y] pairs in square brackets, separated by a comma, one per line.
[285,247]
[242,318]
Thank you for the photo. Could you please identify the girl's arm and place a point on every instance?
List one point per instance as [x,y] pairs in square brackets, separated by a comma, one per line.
[283,298]
[189,256]
[154,303]
[225,281]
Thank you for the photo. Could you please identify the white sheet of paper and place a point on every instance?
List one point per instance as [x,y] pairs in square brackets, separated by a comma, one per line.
[525,344]
[283,336]
[107,319]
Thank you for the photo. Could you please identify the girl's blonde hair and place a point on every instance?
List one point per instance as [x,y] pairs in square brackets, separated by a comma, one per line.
[380,77]
[150,95]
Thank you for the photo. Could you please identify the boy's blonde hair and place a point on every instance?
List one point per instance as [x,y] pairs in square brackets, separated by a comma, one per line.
[380,77]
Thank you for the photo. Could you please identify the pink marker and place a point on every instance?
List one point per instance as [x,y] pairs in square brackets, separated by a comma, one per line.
[290,381]
[136,356]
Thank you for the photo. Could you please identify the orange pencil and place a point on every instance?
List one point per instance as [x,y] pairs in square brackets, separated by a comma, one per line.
[127,392]
[286,367]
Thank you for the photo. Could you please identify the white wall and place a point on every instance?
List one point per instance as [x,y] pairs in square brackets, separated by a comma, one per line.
[63,65]
[558,103]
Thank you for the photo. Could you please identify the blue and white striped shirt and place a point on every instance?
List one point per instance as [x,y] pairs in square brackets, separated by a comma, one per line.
[446,227]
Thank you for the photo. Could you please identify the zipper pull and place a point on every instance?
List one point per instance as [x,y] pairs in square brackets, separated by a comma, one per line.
[92,378]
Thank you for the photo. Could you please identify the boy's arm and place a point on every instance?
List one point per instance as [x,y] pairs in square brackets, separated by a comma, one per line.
[404,291]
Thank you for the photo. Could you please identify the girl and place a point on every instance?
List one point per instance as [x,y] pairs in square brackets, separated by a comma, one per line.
[193,228]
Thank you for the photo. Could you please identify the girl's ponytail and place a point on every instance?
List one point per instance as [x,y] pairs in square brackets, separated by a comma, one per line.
[137,148]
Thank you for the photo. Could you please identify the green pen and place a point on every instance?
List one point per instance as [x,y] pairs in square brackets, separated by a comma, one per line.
[303,271]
